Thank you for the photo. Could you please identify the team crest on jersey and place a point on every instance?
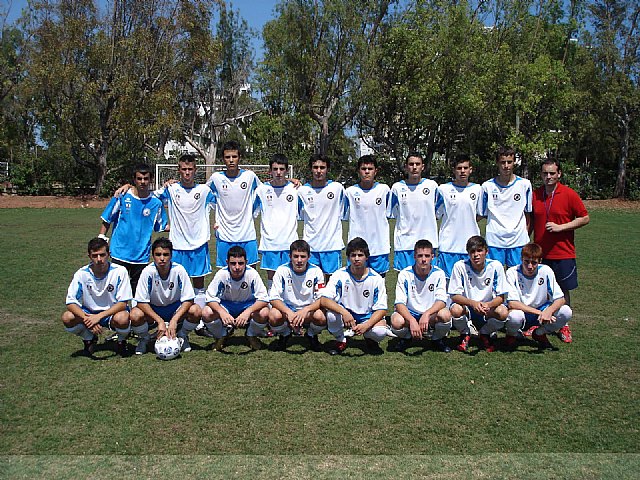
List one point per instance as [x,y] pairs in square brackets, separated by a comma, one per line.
[487,281]
[472,196]
[197,196]
[540,281]
[244,285]
[309,283]
[243,185]
[366,294]
[378,201]
[431,287]
[426,191]
[110,288]
[330,196]
[289,198]
[495,195]
[517,197]
[269,198]
[171,285]
[146,212]
[127,204]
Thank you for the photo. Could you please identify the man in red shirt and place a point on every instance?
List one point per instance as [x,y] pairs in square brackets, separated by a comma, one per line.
[557,212]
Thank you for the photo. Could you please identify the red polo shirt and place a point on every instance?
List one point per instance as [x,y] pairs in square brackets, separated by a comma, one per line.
[563,206]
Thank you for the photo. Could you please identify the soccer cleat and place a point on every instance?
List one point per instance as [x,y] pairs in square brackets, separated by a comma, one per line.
[338,348]
[463,346]
[485,340]
[373,347]
[255,343]
[440,345]
[298,331]
[202,331]
[141,348]
[529,331]
[543,341]
[314,343]
[282,342]
[219,344]
[90,346]
[121,348]
[565,334]
[186,346]
[510,342]
[402,344]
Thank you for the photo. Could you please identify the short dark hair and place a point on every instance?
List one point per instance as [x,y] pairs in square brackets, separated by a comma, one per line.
[96,244]
[187,158]
[476,242]
[505,152]
[461,158]
[414,154]
[231,145]
[358,244]
[162,242]
[551,161]
[280,158]
[317,157]
[423,243]
[300,246]
[142,168]
[367,160]
[236,251]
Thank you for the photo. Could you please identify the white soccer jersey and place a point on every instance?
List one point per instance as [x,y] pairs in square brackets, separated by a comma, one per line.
[321,210]
[457,207]
[481,287]
[366,211]
[99,294]
[278,209]
[413,207]
[360,297]
[161,292]
[537,291]
[249,288]
[504,208]
[189,210]
[234,204]
[295,290]
[419,294]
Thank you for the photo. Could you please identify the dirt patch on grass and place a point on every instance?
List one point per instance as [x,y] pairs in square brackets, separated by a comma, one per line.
[612,204]
[84,201]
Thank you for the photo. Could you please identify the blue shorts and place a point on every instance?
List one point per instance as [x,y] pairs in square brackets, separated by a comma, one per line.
[236,308]
[328,262]
[222,247]
[402,259]
[271,260]
[446,260]
[196,262]
[166,312]
[106,321]
[506,256]
[566,272]
[378,263]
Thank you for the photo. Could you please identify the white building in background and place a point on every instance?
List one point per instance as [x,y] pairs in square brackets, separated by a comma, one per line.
[363,148]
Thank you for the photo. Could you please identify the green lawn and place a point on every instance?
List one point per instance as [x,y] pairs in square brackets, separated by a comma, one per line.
[570,413]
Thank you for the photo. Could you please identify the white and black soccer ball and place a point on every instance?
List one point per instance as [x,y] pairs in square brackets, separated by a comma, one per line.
[168,349]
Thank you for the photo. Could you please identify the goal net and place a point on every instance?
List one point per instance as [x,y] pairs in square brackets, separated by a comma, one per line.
[167,171]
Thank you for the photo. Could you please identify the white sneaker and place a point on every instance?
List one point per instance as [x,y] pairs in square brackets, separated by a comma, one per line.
[186,347]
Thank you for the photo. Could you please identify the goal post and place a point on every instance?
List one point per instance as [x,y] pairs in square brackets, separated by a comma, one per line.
[168,171]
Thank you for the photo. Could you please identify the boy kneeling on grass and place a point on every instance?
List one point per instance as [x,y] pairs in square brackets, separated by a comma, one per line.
[164,295]
[294,296]
[478,289]
[97,298]
[236,297]
[535,299]
[356,298]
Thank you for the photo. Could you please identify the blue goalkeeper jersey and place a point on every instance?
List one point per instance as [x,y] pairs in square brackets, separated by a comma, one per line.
[133,220]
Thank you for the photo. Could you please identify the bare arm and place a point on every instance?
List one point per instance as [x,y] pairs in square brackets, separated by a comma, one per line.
[566,227]
[330,304]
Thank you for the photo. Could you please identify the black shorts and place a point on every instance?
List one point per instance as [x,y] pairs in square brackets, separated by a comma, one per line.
[566,272]
[134,269]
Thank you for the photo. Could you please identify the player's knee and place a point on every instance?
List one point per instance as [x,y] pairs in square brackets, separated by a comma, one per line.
[501,313]
[443,316]
[319,318]
[565,313]
[208,315]
[261,316]
[136,316]
[121,320]
[397,321]
[457,310]
[275,317]
[194,313]
[69,319]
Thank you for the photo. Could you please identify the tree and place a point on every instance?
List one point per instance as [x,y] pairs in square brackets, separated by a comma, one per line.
[317,56]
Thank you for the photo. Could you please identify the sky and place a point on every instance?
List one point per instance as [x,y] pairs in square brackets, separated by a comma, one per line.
[255,12]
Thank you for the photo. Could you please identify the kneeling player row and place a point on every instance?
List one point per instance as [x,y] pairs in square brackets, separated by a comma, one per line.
[354,302]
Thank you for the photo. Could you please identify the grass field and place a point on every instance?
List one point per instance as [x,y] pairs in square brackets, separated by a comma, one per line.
[570,413]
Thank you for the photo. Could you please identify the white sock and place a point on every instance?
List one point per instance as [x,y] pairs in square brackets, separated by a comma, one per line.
[376,334]
[216,328]
[403,332]
[81,331]
[283,329]
[142,331]
[441,330]
[314,329]
[255,329]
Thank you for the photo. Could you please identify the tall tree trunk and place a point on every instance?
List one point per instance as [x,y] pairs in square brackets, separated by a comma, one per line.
[621,179]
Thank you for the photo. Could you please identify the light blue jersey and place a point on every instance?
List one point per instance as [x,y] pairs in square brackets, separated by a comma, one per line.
[134,220]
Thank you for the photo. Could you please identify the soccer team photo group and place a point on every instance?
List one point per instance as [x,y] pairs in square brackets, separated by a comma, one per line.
[456,289]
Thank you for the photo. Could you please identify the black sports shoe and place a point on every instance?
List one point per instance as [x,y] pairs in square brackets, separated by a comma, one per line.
[440,345]
[121,348]
[401,345]
[314,343]
[90,346]
[373,347]
[282,342]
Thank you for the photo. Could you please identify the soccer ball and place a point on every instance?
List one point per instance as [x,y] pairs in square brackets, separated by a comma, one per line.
[168,349]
